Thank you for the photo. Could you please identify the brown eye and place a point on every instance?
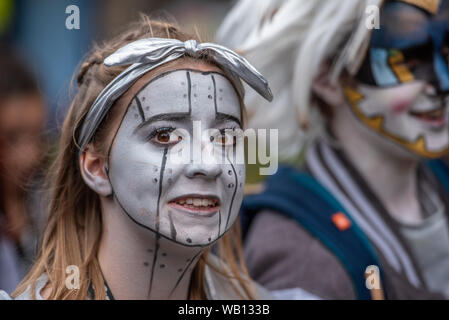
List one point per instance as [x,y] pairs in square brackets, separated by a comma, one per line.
[226,138]
[222,139]
[166,136]
[163,137]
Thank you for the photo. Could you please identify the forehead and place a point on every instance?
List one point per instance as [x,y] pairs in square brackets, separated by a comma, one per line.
[403,25]
[187,91]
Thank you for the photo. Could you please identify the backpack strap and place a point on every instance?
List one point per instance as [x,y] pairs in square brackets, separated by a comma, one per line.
[299,196]
[441,171]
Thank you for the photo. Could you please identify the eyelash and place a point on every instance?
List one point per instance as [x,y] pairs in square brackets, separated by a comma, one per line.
[167,130]
[223,134]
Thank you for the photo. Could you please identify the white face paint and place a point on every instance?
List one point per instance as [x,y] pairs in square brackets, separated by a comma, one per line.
[192,203]
[406,114]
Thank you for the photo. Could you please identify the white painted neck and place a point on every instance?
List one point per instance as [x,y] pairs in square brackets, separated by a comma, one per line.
[135,267]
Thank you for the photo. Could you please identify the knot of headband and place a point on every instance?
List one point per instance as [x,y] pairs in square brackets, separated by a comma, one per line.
[147,54]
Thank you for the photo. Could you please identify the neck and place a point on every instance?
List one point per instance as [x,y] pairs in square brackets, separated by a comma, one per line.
[390,171]
[137,264]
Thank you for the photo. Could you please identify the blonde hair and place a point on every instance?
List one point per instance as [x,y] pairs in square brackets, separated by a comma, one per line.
[288,40]
[74,226]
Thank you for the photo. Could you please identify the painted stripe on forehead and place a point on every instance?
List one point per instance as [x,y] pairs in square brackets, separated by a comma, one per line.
[215,94]
[202,95]
[220,116]
[153,96]
[226,98]
[189,91]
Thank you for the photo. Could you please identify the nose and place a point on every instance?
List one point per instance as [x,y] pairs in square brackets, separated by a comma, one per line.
[207,171]
[205,162]
[431,89]
[435,90]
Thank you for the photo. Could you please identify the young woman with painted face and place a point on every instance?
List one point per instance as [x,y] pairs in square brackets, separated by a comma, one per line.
[133,222]
[370,104]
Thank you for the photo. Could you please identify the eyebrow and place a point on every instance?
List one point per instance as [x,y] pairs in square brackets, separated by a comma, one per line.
[181,116]
[163,117]
[227,117]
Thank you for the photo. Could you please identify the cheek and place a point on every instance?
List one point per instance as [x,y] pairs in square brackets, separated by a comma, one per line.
[139,177]
[234,183]
[400,105]
[135,169]
[241,176]
[170,175]
[396,101]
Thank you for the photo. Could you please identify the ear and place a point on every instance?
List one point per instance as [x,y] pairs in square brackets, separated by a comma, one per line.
[331,94]
[93,171]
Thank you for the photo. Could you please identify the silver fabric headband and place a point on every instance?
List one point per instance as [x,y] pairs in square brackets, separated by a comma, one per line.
[147,54]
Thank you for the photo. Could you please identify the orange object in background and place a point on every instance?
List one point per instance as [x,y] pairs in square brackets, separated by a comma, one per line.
[341,221]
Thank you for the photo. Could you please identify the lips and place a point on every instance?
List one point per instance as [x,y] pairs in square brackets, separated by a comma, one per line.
[197,204]
[434,117]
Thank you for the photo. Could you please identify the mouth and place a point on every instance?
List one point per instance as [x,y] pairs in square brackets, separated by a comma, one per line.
[197,205]
[435,117]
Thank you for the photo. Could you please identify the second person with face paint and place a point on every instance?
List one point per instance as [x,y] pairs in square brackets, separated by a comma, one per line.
[124,217]
[369,105]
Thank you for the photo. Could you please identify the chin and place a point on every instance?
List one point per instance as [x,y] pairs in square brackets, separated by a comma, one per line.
[432,148]
[198,237]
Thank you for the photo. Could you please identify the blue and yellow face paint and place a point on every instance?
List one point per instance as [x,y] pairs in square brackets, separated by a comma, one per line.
[401,90]
[412,43]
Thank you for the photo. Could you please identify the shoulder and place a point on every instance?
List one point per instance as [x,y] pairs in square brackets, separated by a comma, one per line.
[4,295]
[41,282]
[281,254]
[273,232]
[220,287]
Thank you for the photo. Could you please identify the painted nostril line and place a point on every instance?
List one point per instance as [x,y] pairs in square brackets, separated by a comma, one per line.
[199,174]
[206,172]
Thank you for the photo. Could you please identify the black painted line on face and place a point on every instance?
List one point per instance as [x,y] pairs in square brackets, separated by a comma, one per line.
[189,95]
[156,232]
[164,74]
[184,272]
[161,178]
[173,232]
[189,91]
[154,79]
[153,264]
[227,117]
[222,147]
[140,109]
[233,195]
[156,248]
[189,88]
[219,223]
[108,171]
[215,95]
[220,116]
[223,153]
